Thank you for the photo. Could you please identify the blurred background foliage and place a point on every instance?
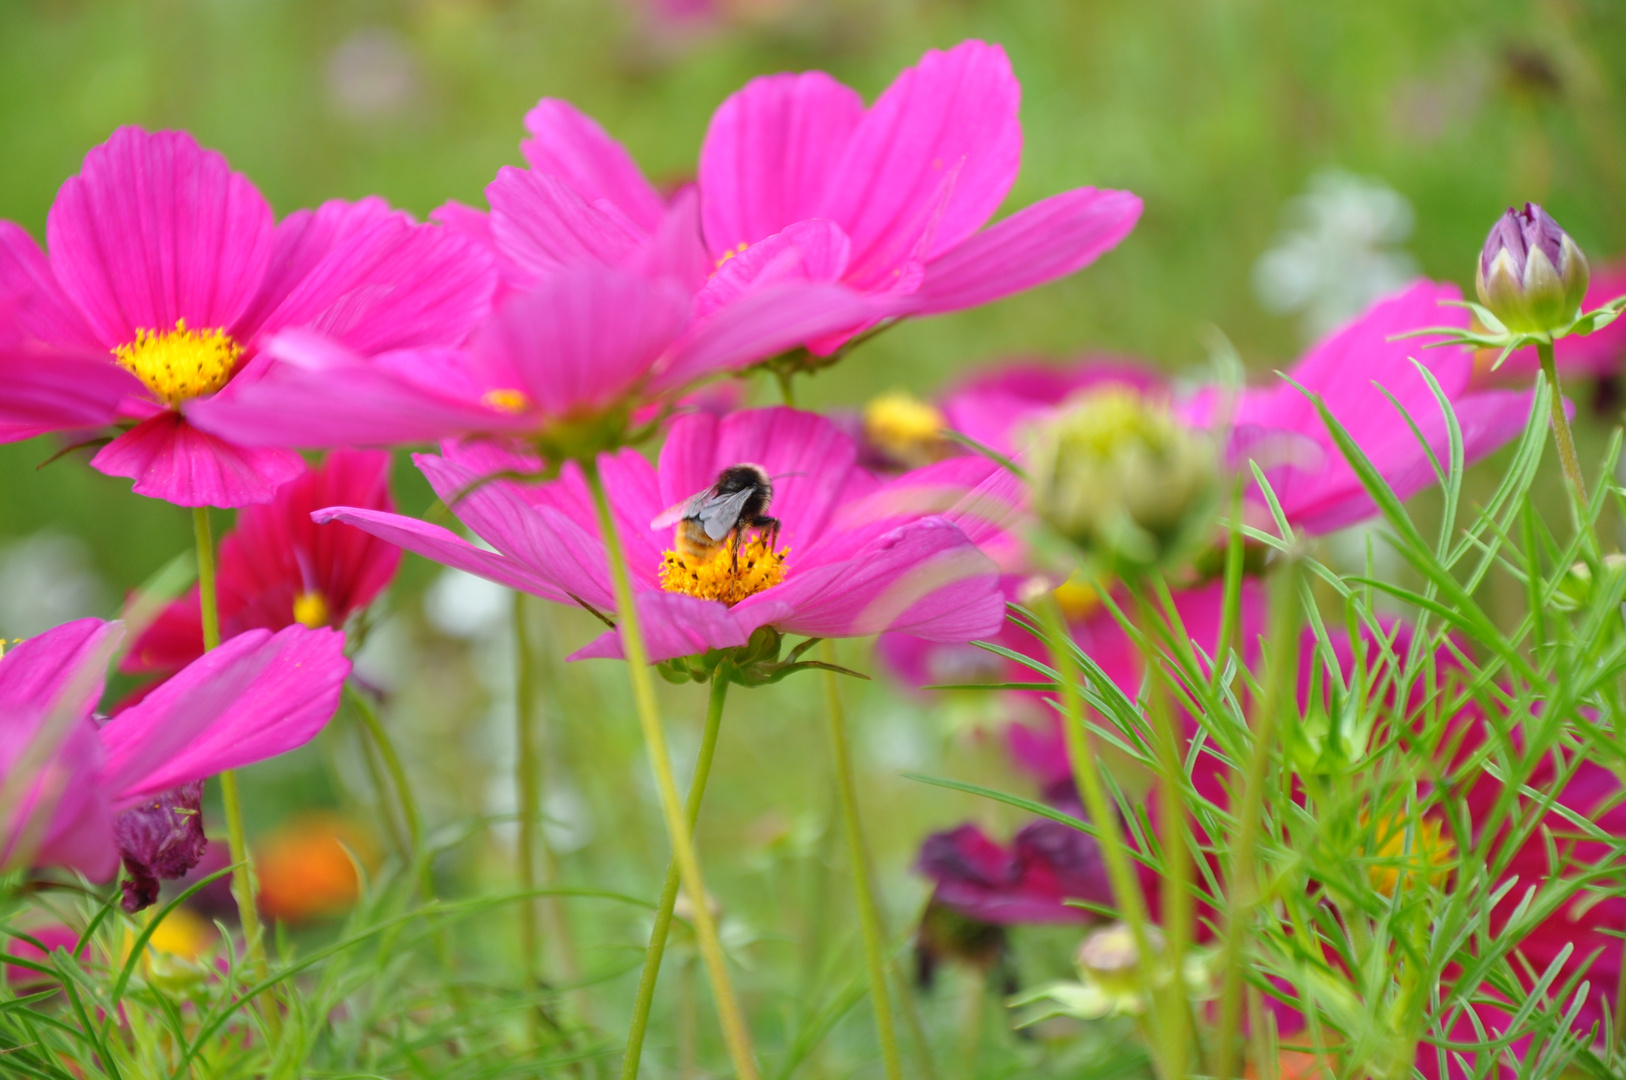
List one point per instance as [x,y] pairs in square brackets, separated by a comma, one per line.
[1294,156]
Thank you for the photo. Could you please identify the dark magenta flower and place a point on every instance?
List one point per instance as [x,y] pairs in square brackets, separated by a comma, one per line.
[277,568]
[1046,865]
[168,266]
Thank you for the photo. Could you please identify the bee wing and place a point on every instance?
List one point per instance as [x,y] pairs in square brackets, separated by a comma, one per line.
[720,515]
[687,508]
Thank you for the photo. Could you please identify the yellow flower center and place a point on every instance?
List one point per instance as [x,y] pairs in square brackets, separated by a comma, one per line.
[1428,850]
[180,364]
[905,428]
[723,575]
[311,609]
[1078,598]
[506,400]
[183,934]
[729,254]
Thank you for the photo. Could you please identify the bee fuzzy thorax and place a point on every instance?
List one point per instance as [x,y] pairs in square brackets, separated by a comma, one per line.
[724,574]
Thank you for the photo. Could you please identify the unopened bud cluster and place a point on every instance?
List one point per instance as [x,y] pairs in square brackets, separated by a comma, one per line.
[1124,480]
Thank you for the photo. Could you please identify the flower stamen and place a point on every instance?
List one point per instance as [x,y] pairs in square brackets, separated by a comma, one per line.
[723,575]
[180,364]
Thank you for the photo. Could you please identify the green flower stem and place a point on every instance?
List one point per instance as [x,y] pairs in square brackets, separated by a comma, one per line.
[530,796]
[869,915]
[1126,889]
[735,1033]
[392,764]
[669,887]
[242,876]
[1177,911]
[1244,887]
[1562,437]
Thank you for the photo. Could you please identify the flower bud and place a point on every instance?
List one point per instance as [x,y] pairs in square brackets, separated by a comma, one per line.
[1109,959]
[1121,478]
[1532,276]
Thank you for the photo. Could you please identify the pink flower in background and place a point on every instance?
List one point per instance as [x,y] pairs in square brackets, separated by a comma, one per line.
[920,577]
[1278,426]
[84,795]
[278,568]
[890,199]
[590,343]
[167,265]
[997,405]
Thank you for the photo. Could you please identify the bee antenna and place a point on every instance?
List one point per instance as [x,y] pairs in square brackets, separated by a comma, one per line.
[781,476]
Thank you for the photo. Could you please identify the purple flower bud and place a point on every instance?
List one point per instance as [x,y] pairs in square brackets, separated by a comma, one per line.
[1531,276]
[161,837]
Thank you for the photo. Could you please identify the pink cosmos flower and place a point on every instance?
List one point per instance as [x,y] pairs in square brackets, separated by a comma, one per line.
[890,199]
[168,266]
[921,577]
[80,794]
[277,568]
[1354,371]
[584,347]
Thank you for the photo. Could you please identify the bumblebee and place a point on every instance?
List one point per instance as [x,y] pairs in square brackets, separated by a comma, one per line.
[722,513]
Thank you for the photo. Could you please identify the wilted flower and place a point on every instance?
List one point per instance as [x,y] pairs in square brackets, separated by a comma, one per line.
[1046,865]
[83,795]
[1121,478]
[169,267]
[1531,275]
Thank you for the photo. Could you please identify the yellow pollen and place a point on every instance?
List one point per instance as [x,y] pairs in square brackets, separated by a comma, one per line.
[509,401]
[905,428]
[310,609]
[1429,850]
[727,255]
[723,576]
[180,364]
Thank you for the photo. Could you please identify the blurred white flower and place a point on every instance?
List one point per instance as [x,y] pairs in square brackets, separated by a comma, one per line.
[463,606]
[1339,251]
[373,75]
[46,579]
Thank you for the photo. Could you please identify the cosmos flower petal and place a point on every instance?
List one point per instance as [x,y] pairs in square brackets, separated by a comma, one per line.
[542,224]
[769,153]
[556,546]
[306,390]
[445,547]
[762,323]
[1037,244]
[300,242]
[79,832]
[33,301]
[924,578]
[170,459]
[815,250]
[581,340]
[48,390]
[36,672]
[674,625]
[154,229]
[931,161]
[572,146]
[384,281]
[677,251]
[254,697]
